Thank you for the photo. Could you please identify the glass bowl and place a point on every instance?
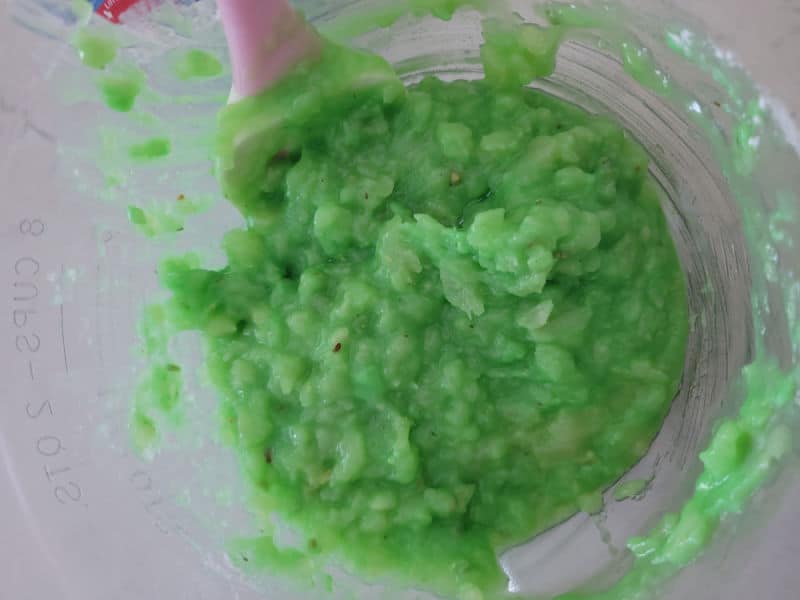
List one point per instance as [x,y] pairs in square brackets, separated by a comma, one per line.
[709,88]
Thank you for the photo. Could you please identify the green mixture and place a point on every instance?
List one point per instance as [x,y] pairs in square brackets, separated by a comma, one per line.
[454,318]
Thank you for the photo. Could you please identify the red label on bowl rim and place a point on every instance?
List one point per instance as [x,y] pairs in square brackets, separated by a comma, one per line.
[113,9]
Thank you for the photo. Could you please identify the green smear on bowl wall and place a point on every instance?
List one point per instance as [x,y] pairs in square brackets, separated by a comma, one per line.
[121,88]
[150,149]
[196,64]
[95,51]
[629,489]
[744,449]
[165,217]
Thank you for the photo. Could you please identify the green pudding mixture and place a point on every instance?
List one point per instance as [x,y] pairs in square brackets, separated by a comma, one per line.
[455,315]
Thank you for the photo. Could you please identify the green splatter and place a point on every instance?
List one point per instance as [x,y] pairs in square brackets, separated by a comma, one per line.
[113,181]
[95,51]
[327,583]
[154,331]
[153,148]
[517,53]
[591,503]
[637,60]
[144,432]
[629,489]
[257,554]
[639,63]
[81,9]
[136,216]
[197,64]
[165,216]
[158,393]
[120,89]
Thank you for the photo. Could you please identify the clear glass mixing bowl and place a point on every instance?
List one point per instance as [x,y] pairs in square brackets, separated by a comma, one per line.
[84,517]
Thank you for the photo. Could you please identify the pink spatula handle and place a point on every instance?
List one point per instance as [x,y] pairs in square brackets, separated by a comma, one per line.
[266,38]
